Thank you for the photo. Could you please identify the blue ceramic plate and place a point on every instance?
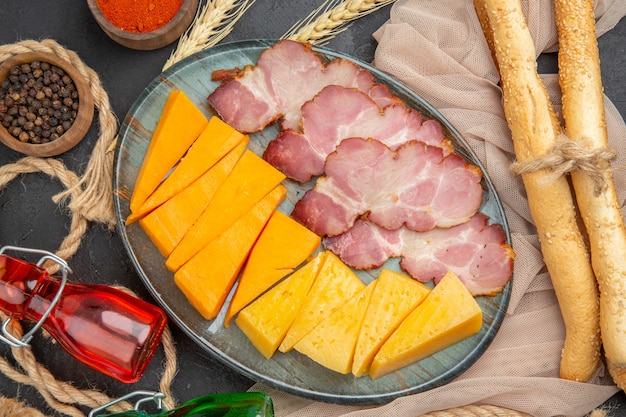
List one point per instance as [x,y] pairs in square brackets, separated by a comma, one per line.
[291,372]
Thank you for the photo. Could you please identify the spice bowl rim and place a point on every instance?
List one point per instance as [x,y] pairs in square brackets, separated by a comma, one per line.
[84,114]
[155,39]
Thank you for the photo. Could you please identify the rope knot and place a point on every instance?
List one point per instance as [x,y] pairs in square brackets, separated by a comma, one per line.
[568,155]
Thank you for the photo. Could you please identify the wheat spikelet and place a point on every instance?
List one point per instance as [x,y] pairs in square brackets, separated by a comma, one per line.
[212,23]
[332,18]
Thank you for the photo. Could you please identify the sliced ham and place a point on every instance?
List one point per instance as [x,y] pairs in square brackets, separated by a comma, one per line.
[416,186]
[286,75]
[337,113]
[476,251]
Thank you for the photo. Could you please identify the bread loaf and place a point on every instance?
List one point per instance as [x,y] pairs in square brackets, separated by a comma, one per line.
[585,123]
[534,129]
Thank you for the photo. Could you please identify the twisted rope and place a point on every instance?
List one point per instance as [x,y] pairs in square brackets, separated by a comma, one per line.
[477,411]
[91,199]
[15,408]
[59,395]
[95,201]
[568,155]
[55,169]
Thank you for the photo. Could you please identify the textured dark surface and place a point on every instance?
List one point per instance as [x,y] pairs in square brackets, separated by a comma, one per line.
[29,218]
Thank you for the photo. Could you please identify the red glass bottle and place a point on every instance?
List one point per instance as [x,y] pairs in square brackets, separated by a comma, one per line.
[106,328]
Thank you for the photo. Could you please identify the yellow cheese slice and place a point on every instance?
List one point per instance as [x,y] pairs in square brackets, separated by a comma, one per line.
[168,223]
[250,180]
[215,141]
[448,315]
[180,123]
[209,275]
[283,245]
[331,343]
[335,284]
[266,320]
[395,296]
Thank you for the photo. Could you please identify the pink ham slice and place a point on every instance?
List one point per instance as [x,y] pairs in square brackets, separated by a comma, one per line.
[416,186]
[337,113]
[286,76]
[476,251]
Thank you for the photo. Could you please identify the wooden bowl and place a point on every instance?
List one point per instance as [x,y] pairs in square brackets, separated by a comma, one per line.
[146,41]
[84,115]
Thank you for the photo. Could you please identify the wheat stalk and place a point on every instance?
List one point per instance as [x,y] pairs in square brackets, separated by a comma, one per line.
[212,23]
[332,18]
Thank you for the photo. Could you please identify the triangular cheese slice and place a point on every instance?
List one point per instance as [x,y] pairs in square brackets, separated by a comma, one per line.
[209,275]
[266,320]
[180,123]
[395,296]
[335,284]
[168,223]
[448,315]
[331,343]
[283,245]
[250,180]
[215,141]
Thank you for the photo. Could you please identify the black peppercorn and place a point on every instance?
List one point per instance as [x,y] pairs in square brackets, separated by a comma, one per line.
[38,102]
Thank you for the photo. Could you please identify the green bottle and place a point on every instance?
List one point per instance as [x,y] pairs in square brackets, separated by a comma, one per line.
[244,404]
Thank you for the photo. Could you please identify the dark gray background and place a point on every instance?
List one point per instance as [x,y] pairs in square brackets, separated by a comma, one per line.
[29,218]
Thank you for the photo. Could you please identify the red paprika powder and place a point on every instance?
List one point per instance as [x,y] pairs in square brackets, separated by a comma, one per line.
[139,15]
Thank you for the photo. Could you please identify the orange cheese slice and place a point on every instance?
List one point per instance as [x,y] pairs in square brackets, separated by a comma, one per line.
[331,343]
[395,296]
[448,315]
[210,274]
[167,224]
[266,320]
[215,141]
[283,245]
[335,284]
[250,180]
[180,123]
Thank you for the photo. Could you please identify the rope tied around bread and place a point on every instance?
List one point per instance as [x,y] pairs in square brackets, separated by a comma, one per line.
[568,155]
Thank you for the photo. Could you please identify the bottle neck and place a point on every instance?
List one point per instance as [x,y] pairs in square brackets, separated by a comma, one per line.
[41,297]
[19,282]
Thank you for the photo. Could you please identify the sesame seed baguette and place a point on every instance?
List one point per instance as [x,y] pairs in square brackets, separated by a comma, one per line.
[534,129]
[585,122]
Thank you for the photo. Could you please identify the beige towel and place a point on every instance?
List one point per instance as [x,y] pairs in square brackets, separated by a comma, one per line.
[438,49]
